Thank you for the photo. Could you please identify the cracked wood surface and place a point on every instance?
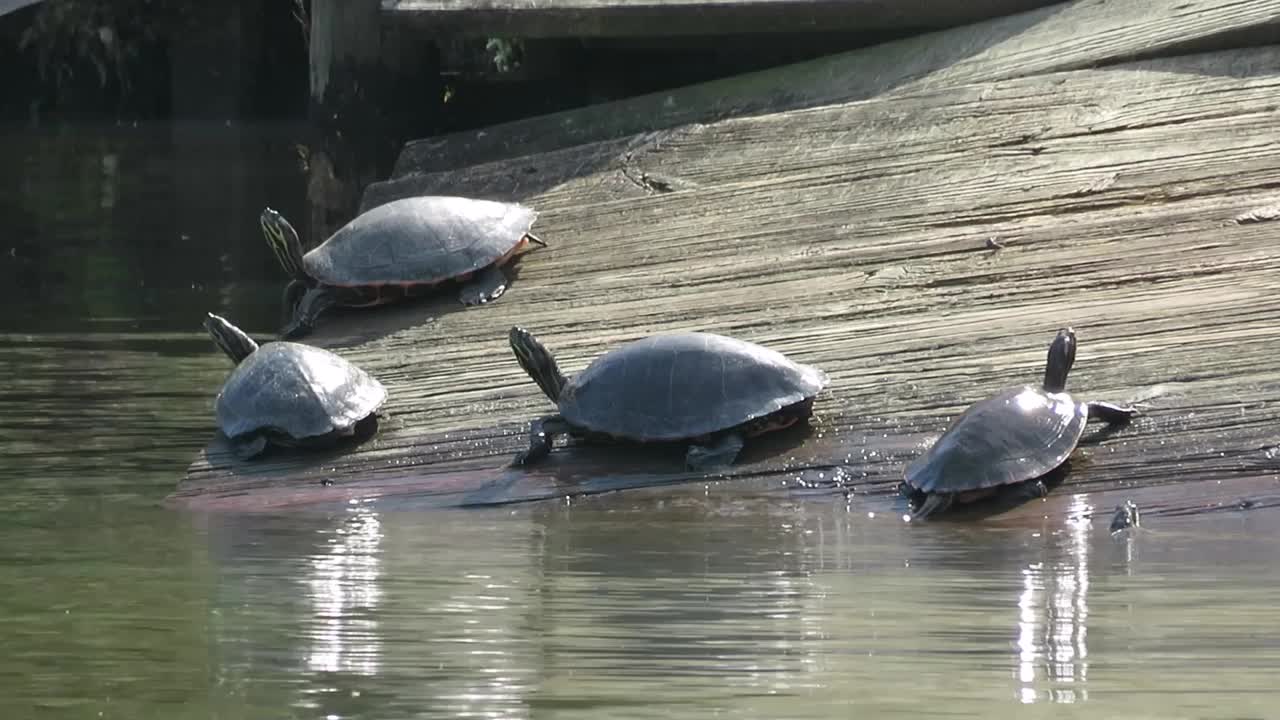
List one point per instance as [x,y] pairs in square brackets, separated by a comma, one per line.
[1132,202]
[622,18]
[1064,36]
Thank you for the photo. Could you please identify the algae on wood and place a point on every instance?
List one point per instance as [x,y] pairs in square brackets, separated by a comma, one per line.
[855,237]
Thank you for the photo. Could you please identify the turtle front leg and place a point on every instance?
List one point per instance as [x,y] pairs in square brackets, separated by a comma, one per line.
[314,301]
[718,454]
[293,293]
[484,287]
[542,435]
[1112,413]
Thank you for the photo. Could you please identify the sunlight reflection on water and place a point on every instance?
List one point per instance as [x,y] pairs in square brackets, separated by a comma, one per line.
[344,594]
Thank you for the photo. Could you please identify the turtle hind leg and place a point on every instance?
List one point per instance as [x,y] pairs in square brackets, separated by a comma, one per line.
[542,434]
[1025,491]
[717,454]
[933,503]
[247,447]
[1112,413]
[486,286]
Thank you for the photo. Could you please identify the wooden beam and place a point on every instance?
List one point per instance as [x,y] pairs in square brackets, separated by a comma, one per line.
[631,18]
[1132,203]
[1060,37]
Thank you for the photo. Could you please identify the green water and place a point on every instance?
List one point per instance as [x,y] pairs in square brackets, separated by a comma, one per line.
[671,603]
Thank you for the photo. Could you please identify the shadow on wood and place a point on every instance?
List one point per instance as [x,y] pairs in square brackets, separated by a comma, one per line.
[1059,37]
[620,18]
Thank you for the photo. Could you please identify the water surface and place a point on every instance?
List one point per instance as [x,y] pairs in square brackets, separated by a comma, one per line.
[672,603]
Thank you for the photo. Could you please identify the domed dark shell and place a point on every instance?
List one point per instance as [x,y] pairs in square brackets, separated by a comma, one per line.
[1017,435]
[683,385]
[419,240]
[297,390]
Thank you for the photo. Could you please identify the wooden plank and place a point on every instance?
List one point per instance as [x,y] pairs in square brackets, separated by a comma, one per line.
[1132,203]
[634,18]
[1059,37]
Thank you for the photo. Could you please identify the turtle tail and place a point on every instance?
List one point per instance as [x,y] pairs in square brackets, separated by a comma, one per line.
[538,361]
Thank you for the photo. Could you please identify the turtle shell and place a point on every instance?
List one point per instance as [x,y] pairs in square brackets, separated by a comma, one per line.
[1017,435]
[419,240]
[297,390]
[684,385]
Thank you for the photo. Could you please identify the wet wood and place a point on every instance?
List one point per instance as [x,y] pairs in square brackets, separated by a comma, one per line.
[864,238]
[1059,37]
[628,18]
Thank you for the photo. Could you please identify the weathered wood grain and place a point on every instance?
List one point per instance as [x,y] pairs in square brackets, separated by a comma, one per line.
[1064,36]
[854,237]
[886,140]
[633,18]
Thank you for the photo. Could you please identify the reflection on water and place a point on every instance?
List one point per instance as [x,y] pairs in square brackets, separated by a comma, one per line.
[344,593]
[125,228]
[667,603]
[1053,617]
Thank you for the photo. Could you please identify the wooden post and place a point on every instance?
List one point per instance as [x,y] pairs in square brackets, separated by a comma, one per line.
[369,92]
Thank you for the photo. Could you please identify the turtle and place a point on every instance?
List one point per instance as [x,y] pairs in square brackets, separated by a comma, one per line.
[1009,441]
[709,391]
[1126,515]
[400,250]
[289,394]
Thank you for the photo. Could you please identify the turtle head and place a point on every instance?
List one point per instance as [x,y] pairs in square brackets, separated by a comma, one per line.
[1062,353]
[538,361]
[284,242]
[232,340]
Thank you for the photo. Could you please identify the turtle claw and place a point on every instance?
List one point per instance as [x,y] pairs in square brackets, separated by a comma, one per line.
[295,330]
[932,503]
[485,287]
[542,434]
[1112,413]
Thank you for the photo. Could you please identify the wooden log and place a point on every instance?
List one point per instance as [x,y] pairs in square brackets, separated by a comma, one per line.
[1059,37]
[627,18]
[1130,203]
